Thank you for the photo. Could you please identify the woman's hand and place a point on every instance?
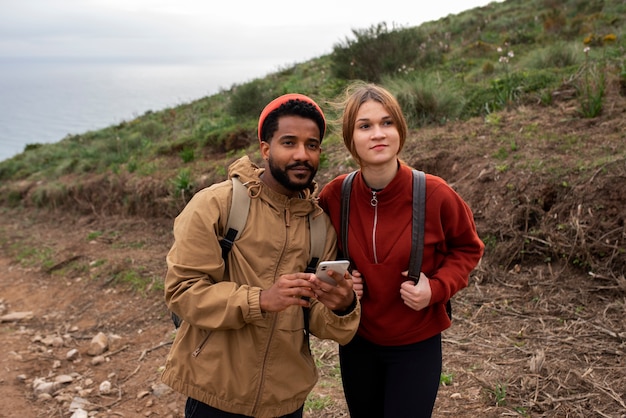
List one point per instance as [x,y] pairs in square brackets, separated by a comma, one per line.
[416,296]
[357,283]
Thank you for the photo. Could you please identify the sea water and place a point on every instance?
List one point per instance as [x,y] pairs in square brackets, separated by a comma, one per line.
[43,101]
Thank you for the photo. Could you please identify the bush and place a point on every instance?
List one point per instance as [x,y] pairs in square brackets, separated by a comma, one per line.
[248,100]
[425,100]
[560,55]
[378,51]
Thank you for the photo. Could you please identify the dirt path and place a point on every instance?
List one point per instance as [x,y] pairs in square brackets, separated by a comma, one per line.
[531,342]
[66,315]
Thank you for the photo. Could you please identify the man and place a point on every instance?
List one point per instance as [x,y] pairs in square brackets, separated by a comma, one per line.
[241,349]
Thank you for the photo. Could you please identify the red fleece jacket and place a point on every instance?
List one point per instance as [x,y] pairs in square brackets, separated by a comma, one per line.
[379,242]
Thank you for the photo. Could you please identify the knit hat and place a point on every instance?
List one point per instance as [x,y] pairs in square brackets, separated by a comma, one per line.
[277,102]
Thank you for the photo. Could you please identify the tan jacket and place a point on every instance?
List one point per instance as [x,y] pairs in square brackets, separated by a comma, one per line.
[227,353]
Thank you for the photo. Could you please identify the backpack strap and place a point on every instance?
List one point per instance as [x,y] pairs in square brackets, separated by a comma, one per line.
[317,232]
[419,215]
[346,188]
[317,227]
[417,226]
[237,217]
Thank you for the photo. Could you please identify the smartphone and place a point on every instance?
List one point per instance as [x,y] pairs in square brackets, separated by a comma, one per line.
[339,266]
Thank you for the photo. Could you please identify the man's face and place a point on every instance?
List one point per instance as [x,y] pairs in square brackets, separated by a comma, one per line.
[293,155]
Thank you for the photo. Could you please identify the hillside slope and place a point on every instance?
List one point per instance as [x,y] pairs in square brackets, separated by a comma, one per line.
[539,332]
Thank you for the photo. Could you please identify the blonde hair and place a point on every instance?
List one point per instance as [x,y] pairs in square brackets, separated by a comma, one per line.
[358,93]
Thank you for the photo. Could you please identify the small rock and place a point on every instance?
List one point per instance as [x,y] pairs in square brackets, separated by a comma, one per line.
[53,341]
[72,354]
[99,344]
[16,316]
[97,360]
[105,387]
[64,379]
[80,413]
[41,386]
[78,403]
[143,394]
[160,389]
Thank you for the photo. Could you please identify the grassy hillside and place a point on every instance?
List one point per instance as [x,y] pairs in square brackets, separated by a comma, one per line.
[519,105]
[476,88]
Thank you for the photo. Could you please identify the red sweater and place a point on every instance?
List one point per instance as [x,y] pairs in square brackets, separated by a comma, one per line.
[379,240]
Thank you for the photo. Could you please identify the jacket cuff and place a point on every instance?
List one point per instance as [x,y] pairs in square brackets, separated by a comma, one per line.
[254,302]
[349,309]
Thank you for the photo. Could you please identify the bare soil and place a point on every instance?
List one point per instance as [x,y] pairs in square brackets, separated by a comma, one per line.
[539,332]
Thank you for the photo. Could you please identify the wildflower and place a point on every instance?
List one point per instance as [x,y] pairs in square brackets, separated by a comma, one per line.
[499,49]
[504,60]
[511,54]
[609,39]
[586,50]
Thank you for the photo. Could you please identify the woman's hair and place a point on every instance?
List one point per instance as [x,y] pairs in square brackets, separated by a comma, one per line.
[357,94]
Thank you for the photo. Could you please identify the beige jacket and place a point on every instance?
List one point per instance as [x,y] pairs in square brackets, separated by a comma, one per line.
[227,353]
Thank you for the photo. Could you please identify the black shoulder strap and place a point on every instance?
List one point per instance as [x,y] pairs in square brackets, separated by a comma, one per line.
[346,188]
[419,215]
[417,227]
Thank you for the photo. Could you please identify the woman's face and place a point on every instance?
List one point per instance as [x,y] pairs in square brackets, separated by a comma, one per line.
[376,138]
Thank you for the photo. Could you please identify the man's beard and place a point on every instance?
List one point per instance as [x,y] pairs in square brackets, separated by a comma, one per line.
[282,176]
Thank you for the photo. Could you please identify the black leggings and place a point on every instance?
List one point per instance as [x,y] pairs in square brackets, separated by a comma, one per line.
[197,409]
[399,381]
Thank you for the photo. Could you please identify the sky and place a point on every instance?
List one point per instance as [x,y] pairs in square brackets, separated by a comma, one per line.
[281,33]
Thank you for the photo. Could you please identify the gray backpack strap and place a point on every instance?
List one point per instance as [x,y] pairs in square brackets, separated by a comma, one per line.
[419,215]
[346,188]
[237,217]
[317,232]
[317,228]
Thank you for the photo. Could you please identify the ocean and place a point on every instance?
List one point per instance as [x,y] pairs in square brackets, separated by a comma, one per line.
[43,102]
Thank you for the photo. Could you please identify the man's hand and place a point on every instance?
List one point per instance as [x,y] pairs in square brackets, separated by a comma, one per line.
[416,296]
[338,297]
[288,290]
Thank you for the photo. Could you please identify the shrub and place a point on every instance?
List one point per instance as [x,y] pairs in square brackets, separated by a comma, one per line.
[559,55]
[425,100]
[378,51]
[248,100]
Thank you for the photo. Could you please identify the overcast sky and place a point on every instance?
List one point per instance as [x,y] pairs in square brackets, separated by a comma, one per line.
[284,32]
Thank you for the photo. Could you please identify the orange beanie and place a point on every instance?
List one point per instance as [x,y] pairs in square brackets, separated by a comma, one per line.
[275,104]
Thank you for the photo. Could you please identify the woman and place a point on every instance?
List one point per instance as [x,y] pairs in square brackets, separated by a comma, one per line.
[392,366]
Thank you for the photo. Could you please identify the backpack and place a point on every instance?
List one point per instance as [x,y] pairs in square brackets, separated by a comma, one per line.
[417,227]
[237,217]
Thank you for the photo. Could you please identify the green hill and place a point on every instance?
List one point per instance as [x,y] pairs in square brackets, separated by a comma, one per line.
[477,89]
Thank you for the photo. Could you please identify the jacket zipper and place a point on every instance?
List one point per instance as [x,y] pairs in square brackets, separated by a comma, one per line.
[269,340]
[374,203]
[197,351]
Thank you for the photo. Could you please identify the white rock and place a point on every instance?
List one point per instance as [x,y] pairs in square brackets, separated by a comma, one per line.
[105,387]
[97,360]
[78,403]
[64,379]
[72,354]
[80,413]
